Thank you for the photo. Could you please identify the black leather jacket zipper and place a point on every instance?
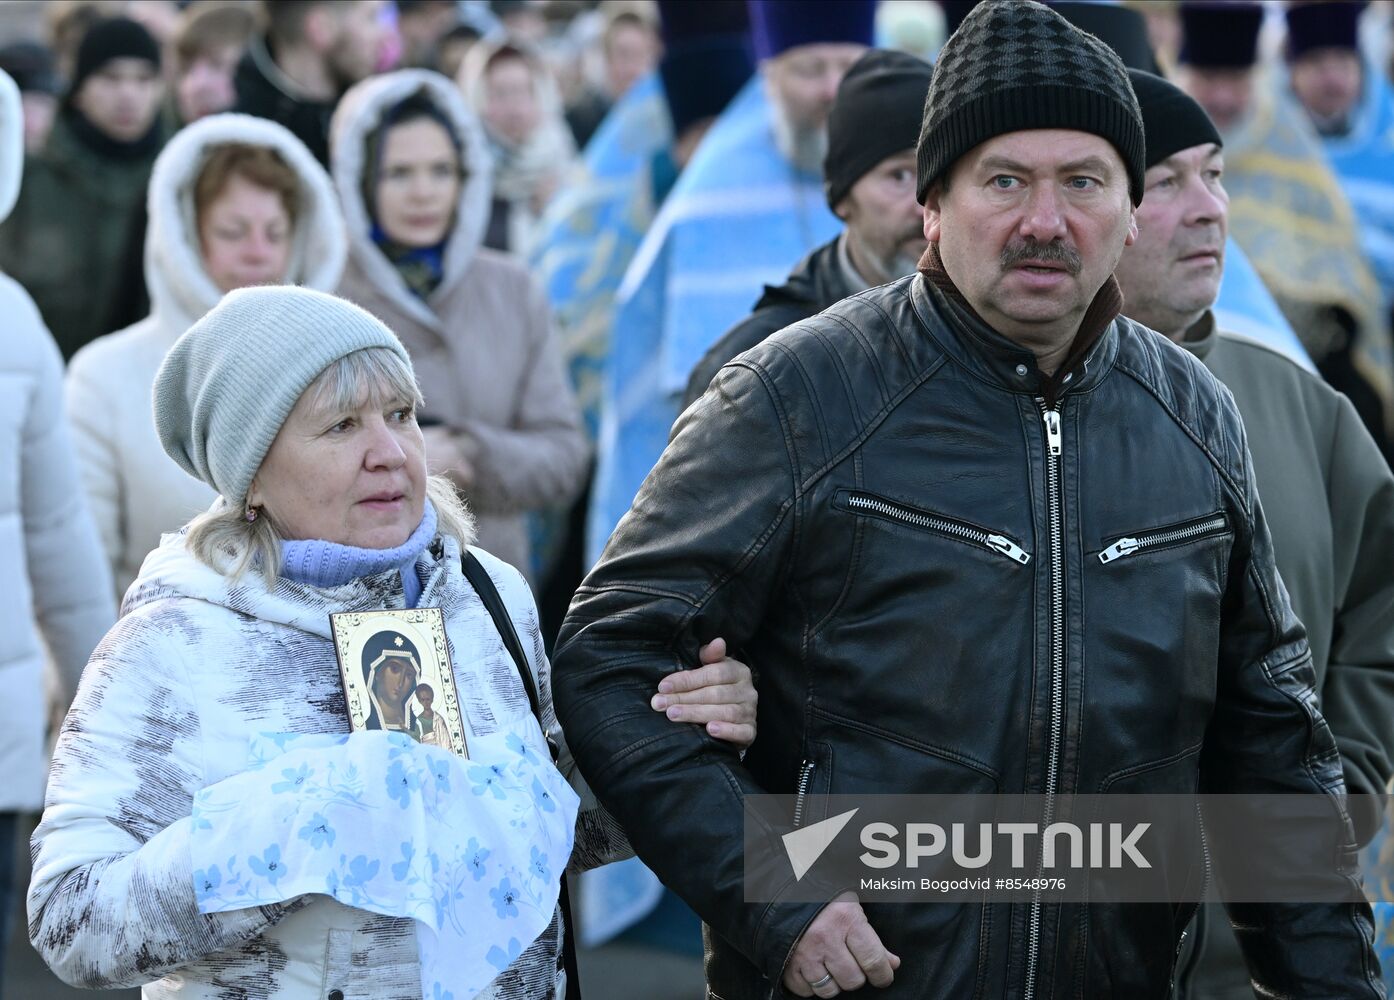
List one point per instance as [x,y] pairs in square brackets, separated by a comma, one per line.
[867,503]
[1213,525]
[1050,418]
[805,777]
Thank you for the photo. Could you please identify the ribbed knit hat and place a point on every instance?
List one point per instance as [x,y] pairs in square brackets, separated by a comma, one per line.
[876,114]
[113,38]
[229,383]
[1174,120]
[1014,65]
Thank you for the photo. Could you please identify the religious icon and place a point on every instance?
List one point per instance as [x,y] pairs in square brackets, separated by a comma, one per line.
[395,667]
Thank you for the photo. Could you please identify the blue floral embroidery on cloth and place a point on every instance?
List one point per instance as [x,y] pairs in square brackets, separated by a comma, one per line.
[370,819]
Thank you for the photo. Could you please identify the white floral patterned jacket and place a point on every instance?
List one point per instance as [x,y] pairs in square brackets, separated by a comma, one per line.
[169,704]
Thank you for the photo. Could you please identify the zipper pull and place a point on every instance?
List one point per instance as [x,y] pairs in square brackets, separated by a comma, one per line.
[1007,547]
[1052,428]
[1119,549]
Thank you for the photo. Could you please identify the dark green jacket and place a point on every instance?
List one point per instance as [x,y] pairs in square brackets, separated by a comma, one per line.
[1329,498]
[70,230]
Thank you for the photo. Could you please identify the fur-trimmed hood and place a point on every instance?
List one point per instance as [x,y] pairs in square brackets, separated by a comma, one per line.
[360,112]
[180,289]
[11,144]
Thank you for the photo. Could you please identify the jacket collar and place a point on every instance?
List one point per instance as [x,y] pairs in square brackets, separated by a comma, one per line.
[1200,338]
[818,281]
[972,342]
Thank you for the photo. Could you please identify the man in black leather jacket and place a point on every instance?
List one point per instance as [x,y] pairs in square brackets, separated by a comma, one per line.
[911,512]
[869,176]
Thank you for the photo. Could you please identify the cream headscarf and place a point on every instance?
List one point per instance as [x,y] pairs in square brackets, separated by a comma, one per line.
[526,175]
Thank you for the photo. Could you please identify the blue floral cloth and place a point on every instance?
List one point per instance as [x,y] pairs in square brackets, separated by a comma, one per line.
[473,850]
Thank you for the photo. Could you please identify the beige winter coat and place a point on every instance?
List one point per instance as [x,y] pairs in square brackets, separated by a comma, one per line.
[136,491]
[482,343]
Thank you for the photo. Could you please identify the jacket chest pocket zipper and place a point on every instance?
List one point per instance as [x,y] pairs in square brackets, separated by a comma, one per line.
[1215,524]
[805,779]
[866,503]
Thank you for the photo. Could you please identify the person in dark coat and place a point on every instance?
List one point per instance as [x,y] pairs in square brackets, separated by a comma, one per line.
[1327,492]
[312,52]
[869,176]
[72,224]
[979,533]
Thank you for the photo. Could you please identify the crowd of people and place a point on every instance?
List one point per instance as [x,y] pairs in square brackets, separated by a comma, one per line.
[668,347]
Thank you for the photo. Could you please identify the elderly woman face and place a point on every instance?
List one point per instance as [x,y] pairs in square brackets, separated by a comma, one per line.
[352,473]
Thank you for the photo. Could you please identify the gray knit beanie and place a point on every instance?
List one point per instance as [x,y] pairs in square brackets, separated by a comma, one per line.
[1014,65]
[229,383]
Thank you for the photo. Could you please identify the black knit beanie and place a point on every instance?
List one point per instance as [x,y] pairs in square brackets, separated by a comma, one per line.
[114,38]
[876,114]
[1014,65]
[1172,118]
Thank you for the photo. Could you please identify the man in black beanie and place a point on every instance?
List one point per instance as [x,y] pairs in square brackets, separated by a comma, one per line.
[81,194]
[977,533]
[1327,492]
[869,176]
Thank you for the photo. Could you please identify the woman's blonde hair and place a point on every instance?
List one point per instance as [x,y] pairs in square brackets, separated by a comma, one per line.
[224,539]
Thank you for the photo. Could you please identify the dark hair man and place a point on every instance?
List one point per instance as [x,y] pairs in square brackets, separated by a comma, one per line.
[421,25]
[1327,492]
[907,510]
[207,48]
[869,176]
[312,52]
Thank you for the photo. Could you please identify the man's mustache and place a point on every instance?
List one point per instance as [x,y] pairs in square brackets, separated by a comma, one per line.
[1046,253]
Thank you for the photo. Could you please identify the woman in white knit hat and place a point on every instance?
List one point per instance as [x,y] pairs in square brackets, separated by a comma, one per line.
[210,827]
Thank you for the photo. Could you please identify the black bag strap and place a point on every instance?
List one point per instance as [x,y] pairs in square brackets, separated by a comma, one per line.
[483,585]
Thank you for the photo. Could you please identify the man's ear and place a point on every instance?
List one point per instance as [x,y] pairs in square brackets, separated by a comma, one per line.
[1132,227]
[932,218]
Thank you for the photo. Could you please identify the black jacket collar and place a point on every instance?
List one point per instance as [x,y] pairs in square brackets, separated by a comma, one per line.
[1001,361]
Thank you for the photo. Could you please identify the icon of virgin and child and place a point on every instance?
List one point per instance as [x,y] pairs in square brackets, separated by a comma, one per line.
[401,700]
